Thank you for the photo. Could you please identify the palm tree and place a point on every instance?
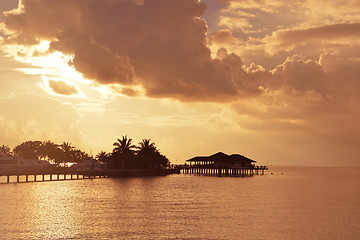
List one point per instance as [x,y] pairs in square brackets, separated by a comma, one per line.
[5,151]
[48,150]
[149,156]
[67,151]
[124,145]
[79,156]
[146,144]
[66,146]
[123,153]
[103,157]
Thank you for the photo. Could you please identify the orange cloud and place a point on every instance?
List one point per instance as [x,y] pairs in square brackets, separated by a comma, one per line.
[160,45]
[304,92]
[62,88]
[302,75]
[223,38]
[288,39]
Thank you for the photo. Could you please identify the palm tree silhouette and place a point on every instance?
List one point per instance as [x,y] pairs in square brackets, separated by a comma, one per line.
[149,156]
[49,150]
[123,145]
[123,153]
[79,156]
[67,151]
[103,157]
[66,146]
[147,145]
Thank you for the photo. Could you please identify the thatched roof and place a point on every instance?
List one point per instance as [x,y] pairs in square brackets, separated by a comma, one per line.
[221,157]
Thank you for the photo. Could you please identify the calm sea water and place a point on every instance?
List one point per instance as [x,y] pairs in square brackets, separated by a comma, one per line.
[291,203]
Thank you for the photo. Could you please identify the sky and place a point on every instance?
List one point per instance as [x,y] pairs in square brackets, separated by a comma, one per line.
[276,81]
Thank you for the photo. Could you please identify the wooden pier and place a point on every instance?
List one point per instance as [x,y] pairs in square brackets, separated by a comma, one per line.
[68,174]
[54,175]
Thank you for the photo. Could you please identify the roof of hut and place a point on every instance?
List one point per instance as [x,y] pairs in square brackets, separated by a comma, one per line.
[221,157]
[238,157]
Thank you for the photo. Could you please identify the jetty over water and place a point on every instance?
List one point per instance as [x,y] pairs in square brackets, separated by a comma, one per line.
[221,164]
[61,174]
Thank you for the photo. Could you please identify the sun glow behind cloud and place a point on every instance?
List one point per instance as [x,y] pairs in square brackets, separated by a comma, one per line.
[41,61]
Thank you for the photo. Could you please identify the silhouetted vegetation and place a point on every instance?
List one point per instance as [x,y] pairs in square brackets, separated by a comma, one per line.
[149,156]
[5,151]
[124,155]
[127,155]
[46,150]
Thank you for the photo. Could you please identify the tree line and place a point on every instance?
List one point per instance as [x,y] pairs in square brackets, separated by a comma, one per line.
[45,150]
[124,154]
[127,155]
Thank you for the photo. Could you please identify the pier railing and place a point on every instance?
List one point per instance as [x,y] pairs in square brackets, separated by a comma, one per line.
[49,175]
[213,170]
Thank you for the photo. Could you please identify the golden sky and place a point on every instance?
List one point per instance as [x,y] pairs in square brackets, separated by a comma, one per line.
[277,81]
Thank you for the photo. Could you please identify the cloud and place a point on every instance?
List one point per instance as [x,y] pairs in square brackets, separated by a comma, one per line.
[62,88]
[223,38]
[288,39]
[344,72]
[270,31]
[95,61]
[159,45]
[59,87]
[130,92]
[302,75]
[303,91]
[6,5]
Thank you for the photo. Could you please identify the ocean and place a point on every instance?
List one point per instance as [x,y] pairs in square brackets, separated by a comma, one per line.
[285,203]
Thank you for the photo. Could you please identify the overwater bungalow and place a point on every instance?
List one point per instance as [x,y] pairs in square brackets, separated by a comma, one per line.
[222,160]
[223,164]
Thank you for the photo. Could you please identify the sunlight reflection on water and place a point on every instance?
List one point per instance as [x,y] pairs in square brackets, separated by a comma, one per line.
[301,203]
